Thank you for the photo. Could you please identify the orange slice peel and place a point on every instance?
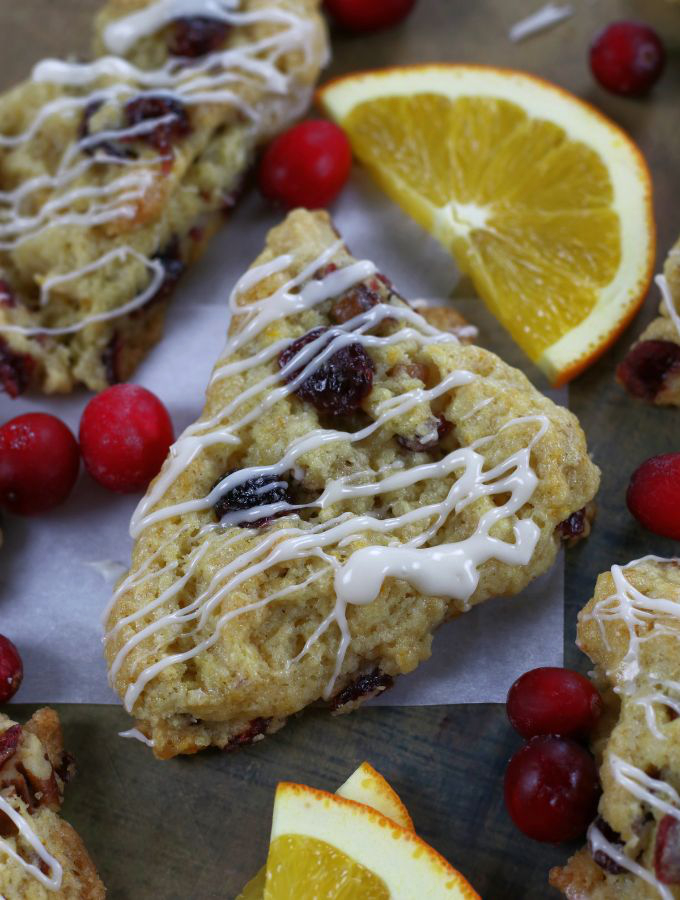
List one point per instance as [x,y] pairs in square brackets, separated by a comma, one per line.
[544,202]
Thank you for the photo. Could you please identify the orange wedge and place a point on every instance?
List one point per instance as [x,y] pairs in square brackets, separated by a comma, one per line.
[327,846]
[365,785]
[544,202]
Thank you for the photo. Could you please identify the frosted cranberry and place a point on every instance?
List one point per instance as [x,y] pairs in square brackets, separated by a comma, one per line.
[551,789]
[360,15]
[550,700]
[157,106]
[647,367]
[197,36]
[603,860]
[15,370]
[125,435]
[307,165]
[39,462]
[339,384]
[667,851]
[627,58]
[653,495]
[11,669]
[263,490]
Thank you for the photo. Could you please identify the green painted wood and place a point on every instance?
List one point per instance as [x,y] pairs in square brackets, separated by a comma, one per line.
[197,828]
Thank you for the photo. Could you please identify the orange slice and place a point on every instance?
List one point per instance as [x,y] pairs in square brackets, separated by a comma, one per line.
[327,846]
[365,785]
[543,201]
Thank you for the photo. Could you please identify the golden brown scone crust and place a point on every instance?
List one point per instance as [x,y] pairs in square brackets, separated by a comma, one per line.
[240,688]
[36,795]
[624,731]
[169,220]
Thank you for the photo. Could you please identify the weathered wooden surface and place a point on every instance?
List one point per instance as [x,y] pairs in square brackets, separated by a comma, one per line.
[195,829]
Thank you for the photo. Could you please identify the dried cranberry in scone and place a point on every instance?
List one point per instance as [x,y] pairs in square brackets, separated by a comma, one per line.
[15,370]
[354,303]
[148,107]
[194,36]
[648,366]
[667,851]
[263,490]
[603,859]
[337,386]
[440,428]
[9,741]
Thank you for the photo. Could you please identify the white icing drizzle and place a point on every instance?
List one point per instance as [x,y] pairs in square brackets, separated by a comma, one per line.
[599,843]
[52,881]
[122,34]
[62,201]
[447,570]
[645,618]
[546,17]
[135,734]
[667,300]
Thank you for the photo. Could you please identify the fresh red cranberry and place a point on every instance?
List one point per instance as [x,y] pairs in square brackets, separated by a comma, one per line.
[550,700]
[263,490]
[39,462]
[197,36]
[368,15]
[551,789]
[15,370]
[339,384]
[307,165]
[627,58]
[11,669]
[125,435]
[654,495]
[667,851]
[647,366]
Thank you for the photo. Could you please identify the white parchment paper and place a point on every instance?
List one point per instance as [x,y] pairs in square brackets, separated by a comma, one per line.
[51,598]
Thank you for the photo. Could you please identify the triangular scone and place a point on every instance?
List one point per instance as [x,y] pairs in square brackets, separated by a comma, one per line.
[400,478]
[41,856]
[114,173]
[630,630]
[651,368]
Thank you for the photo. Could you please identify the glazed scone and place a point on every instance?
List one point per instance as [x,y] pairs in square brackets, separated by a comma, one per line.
[41,856]
[309,533]
[630,630]
[651,369]
[115,173]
